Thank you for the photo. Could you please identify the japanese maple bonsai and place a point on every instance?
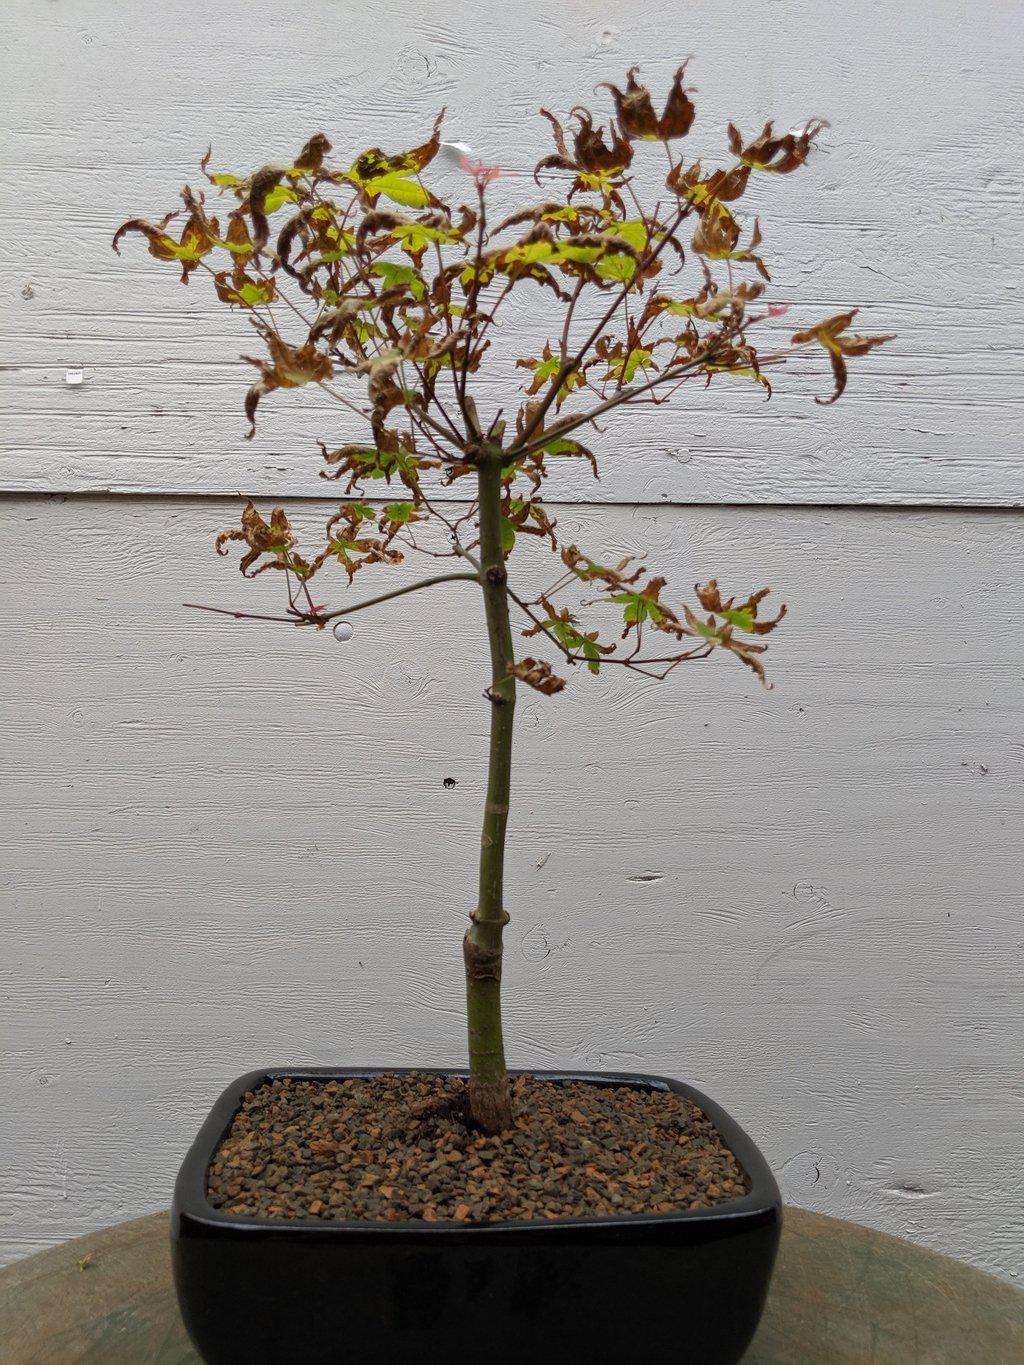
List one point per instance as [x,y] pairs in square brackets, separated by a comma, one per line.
[386,298]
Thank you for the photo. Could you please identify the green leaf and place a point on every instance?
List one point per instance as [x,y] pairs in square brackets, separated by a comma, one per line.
[381,464]
[483,275]
[253,294]
[236,248]
[561,445]
[508,536]
[280,194]
[638,358]
[529,252]
[617,267]
[632,231]
[547,369]
[400,512]
[636,607]
[585,255]
[393,274]
[592,655]
[742,620]
[399,189]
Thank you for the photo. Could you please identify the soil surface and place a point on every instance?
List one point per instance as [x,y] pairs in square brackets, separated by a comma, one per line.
[398,1148]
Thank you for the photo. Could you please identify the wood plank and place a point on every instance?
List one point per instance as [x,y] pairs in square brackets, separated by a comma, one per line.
[910,212]
[230,845]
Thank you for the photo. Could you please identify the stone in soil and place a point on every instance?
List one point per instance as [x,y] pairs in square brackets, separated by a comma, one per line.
[399,1148]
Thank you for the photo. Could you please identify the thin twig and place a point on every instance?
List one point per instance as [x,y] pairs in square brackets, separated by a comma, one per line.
[321,618]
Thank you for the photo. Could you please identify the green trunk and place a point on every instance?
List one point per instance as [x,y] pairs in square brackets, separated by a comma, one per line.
[482,947]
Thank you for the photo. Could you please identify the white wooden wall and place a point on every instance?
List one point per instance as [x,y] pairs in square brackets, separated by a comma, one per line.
[228,845]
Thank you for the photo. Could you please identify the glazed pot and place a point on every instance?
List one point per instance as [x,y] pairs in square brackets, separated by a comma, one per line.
[641,1287]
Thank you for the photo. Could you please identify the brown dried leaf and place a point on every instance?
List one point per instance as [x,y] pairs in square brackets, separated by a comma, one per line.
[289,368]
[742,615]
[537,673]
[778,154]
[311,158]
[636,115]
[829,334]
[275,538]
[615,576]
[260,184]
[198,236]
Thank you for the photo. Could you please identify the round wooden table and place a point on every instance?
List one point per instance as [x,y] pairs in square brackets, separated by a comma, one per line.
[842,1295]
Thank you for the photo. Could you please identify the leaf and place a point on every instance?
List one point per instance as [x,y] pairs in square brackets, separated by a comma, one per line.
[635,111]
[399,189]
[565,445]
[240,289]
[289,368]
[720,636]
[597,163]
[371,462]
[223,179]
[311,158]
[374,163]
[198,236]
[636,608]
[237,241]
[780,155]
[587,571]
[394,275]
[624,364]
[261,187]
[278,196]
[632,231]
[717,231]
[617,267]
[352,549]
[563,626]
[735,616]
[275,537]
[644,605]
[537,673]
[508,536]
[830,335]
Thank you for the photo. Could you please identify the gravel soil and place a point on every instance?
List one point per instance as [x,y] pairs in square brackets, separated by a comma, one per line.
[398,1148]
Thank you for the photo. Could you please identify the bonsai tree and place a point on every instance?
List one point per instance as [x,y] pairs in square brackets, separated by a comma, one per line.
[386,297]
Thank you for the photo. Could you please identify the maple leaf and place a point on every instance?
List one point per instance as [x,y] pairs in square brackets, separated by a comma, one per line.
[537,673]
[830,335]
[289,368]
[198,237]
[275,537]
[781,155]
[635,110]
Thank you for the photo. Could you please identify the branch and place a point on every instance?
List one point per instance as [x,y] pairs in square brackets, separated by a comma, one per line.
[623,396]
[321,618]
[568,367]
[632,662]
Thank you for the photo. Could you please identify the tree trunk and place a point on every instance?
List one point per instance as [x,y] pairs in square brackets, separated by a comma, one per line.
[482,947]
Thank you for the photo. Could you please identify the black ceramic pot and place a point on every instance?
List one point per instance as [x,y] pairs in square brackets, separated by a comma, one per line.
[686,1286]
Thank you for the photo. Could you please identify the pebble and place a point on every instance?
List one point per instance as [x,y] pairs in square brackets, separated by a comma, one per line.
[399,1148]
